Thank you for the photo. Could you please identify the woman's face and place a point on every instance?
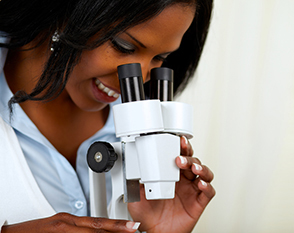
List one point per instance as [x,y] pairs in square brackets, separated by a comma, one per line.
[94,82]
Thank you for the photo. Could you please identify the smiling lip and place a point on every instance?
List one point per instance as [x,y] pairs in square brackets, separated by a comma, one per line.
[103,93]
[105,89]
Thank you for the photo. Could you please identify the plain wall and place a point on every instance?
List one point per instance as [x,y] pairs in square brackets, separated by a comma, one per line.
[243,98]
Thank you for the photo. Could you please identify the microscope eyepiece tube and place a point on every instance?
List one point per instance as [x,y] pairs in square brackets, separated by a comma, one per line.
[131,82]
[161,86]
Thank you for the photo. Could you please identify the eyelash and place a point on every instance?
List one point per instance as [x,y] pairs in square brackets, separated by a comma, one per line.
[159,58]
[121,49]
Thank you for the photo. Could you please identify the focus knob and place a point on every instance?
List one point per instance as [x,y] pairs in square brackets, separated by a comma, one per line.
[101,157]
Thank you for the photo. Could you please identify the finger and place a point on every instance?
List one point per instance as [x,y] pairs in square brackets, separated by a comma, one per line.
[46,225]
[60,226]
[192,167]
[64,222]
[185,163]
[186,148]
[208,192]
[203,172]
[112,225]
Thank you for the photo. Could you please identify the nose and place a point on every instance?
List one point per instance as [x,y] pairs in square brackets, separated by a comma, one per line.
[146,68]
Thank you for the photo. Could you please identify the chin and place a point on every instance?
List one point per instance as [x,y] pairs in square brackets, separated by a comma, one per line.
[94,108]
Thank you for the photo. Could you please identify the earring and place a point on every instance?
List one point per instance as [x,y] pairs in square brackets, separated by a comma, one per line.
[55,40]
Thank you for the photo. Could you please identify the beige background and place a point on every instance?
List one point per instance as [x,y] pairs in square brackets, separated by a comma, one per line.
[243,97]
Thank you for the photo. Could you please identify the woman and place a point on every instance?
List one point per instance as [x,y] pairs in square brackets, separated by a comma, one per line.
[59,78]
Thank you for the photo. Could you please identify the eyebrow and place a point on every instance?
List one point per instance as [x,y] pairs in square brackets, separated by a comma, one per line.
[142,45]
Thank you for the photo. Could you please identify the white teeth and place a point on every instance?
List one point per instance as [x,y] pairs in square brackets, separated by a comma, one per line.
[111,93]
[97,82]
[108,91]
[101,86]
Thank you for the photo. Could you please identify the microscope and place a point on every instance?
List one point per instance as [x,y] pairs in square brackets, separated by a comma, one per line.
[149,132]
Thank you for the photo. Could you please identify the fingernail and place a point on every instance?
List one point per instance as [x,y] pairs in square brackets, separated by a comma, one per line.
[133,225]
[203,183]
[197,167]
[183,160]
[186,140]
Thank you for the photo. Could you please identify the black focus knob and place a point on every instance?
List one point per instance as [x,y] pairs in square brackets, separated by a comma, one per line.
[101,157]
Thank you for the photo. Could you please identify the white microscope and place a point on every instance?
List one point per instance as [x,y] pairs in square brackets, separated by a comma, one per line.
[150,133]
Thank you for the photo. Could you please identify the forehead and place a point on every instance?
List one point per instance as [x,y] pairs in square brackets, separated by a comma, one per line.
[178,15]
[170,24]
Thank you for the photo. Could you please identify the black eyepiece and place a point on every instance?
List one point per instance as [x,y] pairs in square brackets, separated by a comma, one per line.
[129,70]
[161,86]
[131,82]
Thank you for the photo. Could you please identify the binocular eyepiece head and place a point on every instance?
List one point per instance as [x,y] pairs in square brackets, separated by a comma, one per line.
[131,83]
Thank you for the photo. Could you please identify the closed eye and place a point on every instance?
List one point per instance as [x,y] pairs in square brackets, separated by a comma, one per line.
[126,47]
[160,58]
[122,46]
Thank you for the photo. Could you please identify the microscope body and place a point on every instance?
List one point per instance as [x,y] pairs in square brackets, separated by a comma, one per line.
[150,133]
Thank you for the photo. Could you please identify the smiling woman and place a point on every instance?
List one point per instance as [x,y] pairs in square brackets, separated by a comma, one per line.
[58,81]
[145,43]
[80,22]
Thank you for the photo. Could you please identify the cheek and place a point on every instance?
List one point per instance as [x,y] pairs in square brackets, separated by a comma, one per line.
[96,63]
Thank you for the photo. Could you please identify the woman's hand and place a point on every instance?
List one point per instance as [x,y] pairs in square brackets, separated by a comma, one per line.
[63,222]
[193,193]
